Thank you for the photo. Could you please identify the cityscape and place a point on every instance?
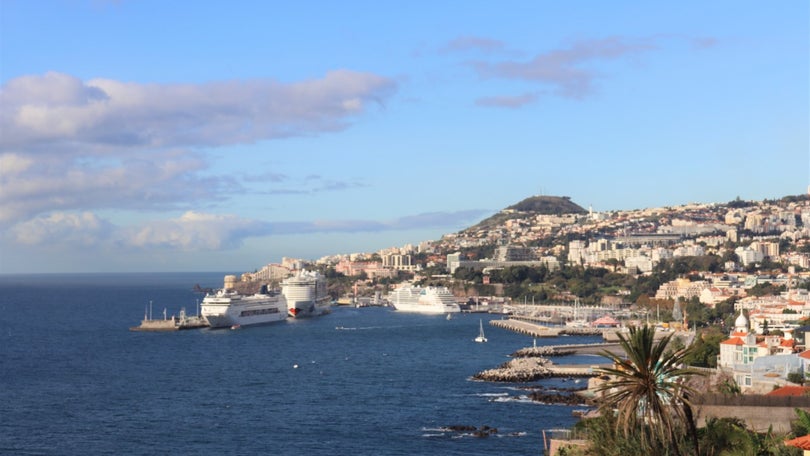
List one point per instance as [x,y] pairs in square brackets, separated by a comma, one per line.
[423,228]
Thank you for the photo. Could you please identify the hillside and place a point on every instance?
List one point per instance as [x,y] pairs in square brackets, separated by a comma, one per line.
[530,207]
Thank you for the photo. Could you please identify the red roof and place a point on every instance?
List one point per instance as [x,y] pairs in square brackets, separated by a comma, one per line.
[805,354]
[733,341]
[607,320]
[800,442]
[790,391]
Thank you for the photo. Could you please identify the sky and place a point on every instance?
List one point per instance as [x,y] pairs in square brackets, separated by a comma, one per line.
[222,136]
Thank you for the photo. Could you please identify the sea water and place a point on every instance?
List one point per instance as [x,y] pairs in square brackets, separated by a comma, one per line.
[360,381]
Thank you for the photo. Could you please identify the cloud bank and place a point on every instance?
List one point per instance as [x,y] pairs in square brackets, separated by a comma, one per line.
[199,231]
[60,110]
[73,145]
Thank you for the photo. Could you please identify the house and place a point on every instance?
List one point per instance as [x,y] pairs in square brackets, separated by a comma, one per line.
[758,363]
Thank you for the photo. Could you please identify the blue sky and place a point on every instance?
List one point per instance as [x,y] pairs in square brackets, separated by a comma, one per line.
[221,136]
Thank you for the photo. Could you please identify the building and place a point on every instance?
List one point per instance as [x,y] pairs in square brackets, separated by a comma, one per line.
[758,363]
[398,261]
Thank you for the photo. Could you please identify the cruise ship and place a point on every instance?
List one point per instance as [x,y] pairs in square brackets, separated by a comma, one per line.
[432,300]
[226,308]
[305,294]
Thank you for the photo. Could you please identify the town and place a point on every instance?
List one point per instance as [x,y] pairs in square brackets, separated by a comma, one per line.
[698,267]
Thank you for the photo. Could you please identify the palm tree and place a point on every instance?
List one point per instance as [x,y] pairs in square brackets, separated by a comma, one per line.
[648,392]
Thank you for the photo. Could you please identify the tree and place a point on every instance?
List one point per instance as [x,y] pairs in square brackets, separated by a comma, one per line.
[801,426]
[648,390]
[726,436]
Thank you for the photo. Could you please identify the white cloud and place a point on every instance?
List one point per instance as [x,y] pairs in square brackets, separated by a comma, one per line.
[161,180]
[72,145]
[197,231]
[83,229]
[200,231]
[12,165]
[60,108]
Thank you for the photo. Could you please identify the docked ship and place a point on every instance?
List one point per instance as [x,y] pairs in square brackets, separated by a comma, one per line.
[228,309]
[305,294]
[432,300]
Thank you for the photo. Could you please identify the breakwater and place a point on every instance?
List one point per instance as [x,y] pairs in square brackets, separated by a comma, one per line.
[564,350]
[534,330]
[530,369]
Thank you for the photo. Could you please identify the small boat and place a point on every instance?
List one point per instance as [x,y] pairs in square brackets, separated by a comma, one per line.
[235,327]
[481,337]
[449,316]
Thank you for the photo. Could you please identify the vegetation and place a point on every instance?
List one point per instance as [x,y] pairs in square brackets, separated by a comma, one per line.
[646,409]
[649,394]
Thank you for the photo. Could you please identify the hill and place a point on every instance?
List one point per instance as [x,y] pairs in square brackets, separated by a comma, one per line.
[530,207]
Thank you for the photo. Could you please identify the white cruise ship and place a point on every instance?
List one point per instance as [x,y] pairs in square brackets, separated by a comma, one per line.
[305,294]
[432,300]
[226,309]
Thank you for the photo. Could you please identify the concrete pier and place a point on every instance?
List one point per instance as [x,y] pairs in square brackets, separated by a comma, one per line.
[171,324]
[526,328]
[533,329]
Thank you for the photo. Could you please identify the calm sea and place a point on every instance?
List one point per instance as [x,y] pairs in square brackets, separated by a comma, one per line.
[75,381]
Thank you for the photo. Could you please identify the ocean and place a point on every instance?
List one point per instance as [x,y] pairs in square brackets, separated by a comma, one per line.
[367,381]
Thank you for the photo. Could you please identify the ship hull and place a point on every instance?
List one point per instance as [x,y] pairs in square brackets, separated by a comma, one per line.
[228,310]
[427,308]
[307,309]
[430,300]
[305,294]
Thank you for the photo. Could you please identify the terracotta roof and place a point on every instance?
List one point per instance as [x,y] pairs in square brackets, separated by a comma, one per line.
[805,354]
[733,341]
[800,442]
[787,342]
[790,391]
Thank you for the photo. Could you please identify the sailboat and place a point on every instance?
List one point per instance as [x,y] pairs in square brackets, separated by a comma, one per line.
[481,337]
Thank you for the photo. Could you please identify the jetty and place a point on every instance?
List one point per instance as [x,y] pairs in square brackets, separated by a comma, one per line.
[569,349]
[171,324]
[529,328]
[533,368]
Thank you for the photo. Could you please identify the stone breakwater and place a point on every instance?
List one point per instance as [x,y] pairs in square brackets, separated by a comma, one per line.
[518,370]
[563,350]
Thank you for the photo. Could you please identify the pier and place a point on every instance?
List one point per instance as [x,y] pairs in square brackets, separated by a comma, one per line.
[570,349]
[534,330]
[171,324]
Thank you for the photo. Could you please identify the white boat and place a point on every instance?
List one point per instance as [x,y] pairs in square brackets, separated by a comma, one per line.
[481,337]
[228,309]
[305,294]
[430,300]
[577,321]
